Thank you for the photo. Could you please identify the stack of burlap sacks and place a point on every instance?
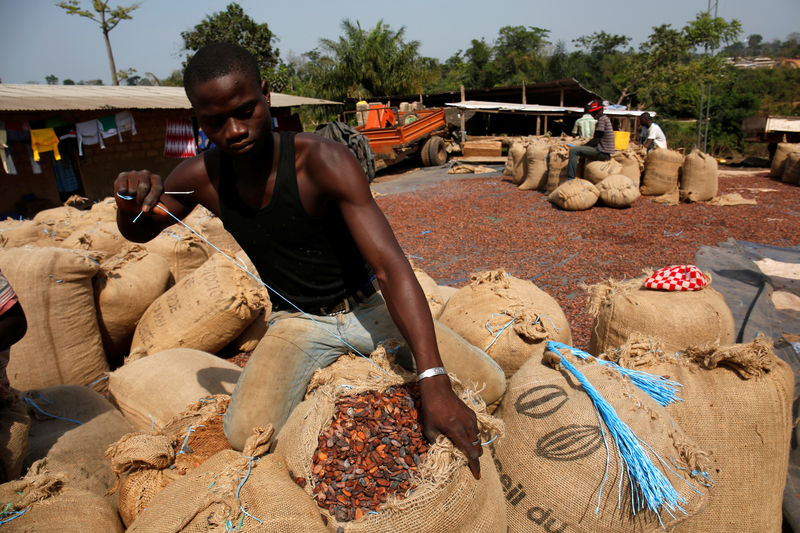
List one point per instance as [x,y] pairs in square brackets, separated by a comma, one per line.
[540,163]
[786,163]
[152,457]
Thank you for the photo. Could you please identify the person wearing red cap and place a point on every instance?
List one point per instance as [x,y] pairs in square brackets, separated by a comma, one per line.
[600,147]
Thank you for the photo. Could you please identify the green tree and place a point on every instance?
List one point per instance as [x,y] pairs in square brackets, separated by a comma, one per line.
[51,79]
[234,26]
[68,82]
[519,54]
[107,17]
[480,72]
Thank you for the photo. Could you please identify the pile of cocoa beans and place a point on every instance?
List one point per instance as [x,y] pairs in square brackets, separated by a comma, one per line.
[369,452]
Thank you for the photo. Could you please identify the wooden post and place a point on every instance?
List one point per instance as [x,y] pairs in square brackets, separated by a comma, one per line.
[462,94]
[538,125]
[545,124]
[463,124]
[562,97]
[524,95]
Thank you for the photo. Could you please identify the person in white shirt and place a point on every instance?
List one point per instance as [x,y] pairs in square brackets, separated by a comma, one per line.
[651,136]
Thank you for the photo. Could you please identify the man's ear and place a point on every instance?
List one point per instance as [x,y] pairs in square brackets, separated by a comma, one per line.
[265,90]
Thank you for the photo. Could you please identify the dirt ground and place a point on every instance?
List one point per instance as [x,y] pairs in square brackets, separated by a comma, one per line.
[454,225]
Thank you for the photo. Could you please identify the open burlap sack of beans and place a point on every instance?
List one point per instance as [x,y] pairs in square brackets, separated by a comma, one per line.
[562,469]
[14,427]
[206,310]
[99,236]
[618,190]
[791,173]
[677,318]
[125,286]
[737,405]
[71,427]
[699,181]
[148,462]
[661,172]
[518,164]
[47,503]
[63,343]
[778,165]
[152,390]
[509,318]
[596,171]
[359,421]
[557,161]
[184,250]
[574,195]
[632,161]
[536,174]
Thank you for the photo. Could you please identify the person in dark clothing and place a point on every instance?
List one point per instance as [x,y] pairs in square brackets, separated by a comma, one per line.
[13,326]
[600,147]
[301,208]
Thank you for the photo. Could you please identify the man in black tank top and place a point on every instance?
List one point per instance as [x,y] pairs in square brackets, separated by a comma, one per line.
[301,207]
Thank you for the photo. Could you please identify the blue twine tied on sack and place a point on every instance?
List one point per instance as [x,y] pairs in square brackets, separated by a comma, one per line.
[32,403]
[499,332]
[650,488]
[241,507]
[662,390]
[11,515]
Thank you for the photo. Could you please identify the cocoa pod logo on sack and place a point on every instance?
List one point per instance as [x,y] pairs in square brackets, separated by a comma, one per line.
[541,401]
[570,443]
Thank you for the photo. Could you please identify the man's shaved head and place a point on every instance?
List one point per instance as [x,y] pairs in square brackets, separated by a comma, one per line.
[219,59]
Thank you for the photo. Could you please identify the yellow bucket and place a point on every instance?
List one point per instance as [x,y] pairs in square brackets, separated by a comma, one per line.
[621,139]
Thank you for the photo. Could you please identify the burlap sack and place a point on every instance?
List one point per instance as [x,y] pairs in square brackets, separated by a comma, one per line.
[15,233]
[678,318]
[183,250]
[661,171]
[431,290]
[557,161]
[44,503]
[228,490]
[125,286]
[597,171]
[791,173]
[63,344]
[103,211]
[152,390]
[632,163]
[14,427]
[210,226]
[76,450]
[778,165]
[252,335]
[100,237]
[58,214]
[699,181]
[509,318]
[519,166]
[205,310]
[560,468]
[738,406]
[446,497]
[536,174]
[618,190]
[447,291]
[574,195]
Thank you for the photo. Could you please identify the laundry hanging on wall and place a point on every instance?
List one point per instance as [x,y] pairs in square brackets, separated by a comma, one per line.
[125,122]
[179,141]
[44,140]
[88,134]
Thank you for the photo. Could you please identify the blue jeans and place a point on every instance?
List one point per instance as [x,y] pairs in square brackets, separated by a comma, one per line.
[589,152]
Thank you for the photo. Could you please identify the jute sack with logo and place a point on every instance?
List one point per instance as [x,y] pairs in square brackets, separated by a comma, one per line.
[574,195]
[14,426]
[536,175]
[791,173]
[152,390]
[125,286]
[778,165]
[63,344]
[699,181]
[737,405]
[183,250]
[618,190]
[632,162]
[678,318]
[47,503]
[74,443]
[661,171]
[446,496]
[509,318]
[557,161]
[205,310]
[519,167]
[597,171]
[560,468]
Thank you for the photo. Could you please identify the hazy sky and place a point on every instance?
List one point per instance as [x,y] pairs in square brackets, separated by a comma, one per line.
[39,38]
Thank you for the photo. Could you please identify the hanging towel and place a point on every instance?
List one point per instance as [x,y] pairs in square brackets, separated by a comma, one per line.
[108,127]
[179,140]
[125,122]
[89,133]
[66,180]
[44,140]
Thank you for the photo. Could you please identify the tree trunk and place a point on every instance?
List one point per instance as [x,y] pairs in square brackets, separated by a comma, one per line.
[114,80]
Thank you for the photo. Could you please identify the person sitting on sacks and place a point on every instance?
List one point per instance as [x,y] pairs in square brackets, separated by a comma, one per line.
[651,136]
[600,147]
[301,208]
[13,326]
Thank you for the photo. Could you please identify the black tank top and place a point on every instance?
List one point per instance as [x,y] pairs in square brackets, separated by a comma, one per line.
[312,261]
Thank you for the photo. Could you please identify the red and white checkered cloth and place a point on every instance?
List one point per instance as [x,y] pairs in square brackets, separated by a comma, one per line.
[677,278]
[180,141]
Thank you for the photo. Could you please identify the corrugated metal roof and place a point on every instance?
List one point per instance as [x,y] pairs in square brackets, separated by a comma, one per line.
[478,105]
[96,97]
